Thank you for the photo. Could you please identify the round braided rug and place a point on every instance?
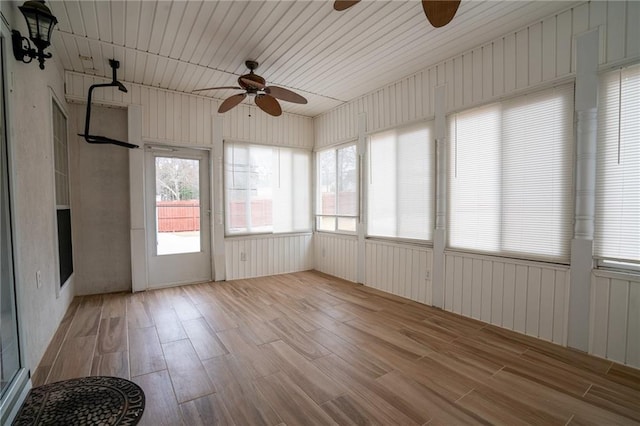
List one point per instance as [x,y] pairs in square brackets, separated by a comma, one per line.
[96,400]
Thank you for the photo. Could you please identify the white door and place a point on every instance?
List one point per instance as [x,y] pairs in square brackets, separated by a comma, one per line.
[178,216]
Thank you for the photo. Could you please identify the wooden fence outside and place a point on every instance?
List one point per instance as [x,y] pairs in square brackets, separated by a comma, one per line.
[178,216]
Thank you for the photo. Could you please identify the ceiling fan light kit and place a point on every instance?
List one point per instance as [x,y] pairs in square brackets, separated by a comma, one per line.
[266,97]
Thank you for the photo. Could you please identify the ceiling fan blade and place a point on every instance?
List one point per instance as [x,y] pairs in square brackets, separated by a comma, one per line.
[252,83]
[269,104]
[216,88]
[285,95]
[231,101]
[341,5]
[440,12]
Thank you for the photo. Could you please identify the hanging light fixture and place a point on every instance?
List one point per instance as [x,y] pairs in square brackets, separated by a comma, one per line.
[40,22]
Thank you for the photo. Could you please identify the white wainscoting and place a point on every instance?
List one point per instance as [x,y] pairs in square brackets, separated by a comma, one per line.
[336,255]
[528,297]
[539,54]
[401,269]
[267,255]
[614,326]
[186,119]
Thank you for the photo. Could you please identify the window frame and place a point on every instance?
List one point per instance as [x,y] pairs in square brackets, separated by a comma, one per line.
[609,264]
[430,122]
[453,147]
[317,194]
[601,262]
[55,102]
[225,198]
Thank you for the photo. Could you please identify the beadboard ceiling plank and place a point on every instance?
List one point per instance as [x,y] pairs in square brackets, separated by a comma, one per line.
[328,57]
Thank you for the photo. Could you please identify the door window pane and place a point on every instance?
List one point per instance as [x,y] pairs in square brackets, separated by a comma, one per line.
[177,205]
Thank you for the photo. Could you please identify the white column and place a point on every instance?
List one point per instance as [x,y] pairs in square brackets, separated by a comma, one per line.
[136,201]
[362,223]
[586,107]
[217,223]
[439,234]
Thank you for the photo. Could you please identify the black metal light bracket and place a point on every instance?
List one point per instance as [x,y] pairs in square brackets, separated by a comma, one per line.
[40,23]
[103,139]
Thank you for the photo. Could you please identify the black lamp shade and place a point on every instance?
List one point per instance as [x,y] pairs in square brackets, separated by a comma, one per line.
[40,22]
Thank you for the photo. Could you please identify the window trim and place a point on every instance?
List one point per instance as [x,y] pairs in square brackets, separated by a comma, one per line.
[357,216]
[617,265]
[225,212]
[601,262]
[60,287]
[452,115]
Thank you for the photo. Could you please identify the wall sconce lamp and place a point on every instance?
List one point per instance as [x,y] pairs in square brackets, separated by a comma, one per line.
[40,22]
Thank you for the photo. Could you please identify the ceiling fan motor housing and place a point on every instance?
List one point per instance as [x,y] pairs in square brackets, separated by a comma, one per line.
[242,81]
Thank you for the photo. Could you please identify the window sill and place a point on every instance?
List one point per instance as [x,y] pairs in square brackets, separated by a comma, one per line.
[628,275]
[266,235]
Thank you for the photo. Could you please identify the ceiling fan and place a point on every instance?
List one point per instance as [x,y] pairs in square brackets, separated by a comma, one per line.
[439,12]
[254,85]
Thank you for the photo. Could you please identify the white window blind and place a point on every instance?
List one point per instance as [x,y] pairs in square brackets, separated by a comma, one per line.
[401,195]
[617,232]
[337,189]
[267,189]
[511,176]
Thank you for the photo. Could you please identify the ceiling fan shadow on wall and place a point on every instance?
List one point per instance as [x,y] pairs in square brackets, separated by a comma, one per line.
[266,97]
[438,12]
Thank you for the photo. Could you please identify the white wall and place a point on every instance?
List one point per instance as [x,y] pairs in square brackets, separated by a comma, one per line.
[614,326]
[528,297]
[336,255]
[400,269]
[267,255]
[100,199]
[31,160]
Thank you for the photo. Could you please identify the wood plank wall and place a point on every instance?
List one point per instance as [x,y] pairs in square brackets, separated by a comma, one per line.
[538,55]
[336,255]
[615,317]
[267,255]
[400,269]
[177,118]
[528,297]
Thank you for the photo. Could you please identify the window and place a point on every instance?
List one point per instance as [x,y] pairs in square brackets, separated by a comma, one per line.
[267,189]
[63,204]
[511,176]
[337,189]
[617,225]
[401,194]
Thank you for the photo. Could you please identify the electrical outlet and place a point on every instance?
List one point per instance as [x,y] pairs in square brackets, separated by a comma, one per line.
[428,275]
[39,279]
[243,257]
[324,252]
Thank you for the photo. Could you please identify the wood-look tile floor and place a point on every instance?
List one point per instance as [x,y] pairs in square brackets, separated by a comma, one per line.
[307,349]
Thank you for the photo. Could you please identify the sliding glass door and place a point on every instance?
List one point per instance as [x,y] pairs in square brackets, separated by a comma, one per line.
[12,377]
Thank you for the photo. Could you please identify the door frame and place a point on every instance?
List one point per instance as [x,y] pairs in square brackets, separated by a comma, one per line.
[203,156]
[21,382]
[137,190]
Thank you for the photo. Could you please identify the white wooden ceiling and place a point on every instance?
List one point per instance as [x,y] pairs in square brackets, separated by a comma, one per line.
[327,56]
